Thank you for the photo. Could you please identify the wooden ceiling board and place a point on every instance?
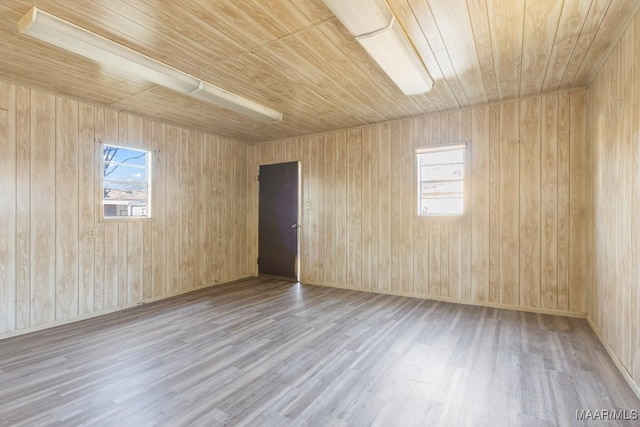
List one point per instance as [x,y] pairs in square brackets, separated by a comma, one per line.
[571,22]
[540,25]
[461,47]
[613,26]
[294,56]
[506,26]
[479,15]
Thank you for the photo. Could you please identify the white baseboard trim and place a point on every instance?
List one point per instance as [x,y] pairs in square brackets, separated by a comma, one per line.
[627,376]
[106,311]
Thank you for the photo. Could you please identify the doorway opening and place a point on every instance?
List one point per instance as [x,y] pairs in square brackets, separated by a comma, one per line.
[278,220]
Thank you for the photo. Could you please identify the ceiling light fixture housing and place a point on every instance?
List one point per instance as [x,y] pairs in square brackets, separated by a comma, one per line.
[373,25]
[65,35]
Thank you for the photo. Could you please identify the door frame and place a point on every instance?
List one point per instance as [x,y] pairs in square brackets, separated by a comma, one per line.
[256,219]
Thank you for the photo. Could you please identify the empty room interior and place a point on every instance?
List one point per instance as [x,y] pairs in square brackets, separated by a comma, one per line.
[319,212]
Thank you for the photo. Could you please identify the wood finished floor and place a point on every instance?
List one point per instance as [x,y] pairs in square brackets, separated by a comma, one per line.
[268,352]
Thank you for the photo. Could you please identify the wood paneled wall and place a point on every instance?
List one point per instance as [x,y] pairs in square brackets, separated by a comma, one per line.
[520,243]
[51,269]
[614,220]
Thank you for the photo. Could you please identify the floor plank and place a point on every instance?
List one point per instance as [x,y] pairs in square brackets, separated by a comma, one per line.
[267,352]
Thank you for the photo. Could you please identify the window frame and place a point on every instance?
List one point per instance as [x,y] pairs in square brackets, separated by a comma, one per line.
[147,182]
[418,181]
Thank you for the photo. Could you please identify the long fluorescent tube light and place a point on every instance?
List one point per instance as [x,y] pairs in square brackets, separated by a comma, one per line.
[65,35]
[373,25]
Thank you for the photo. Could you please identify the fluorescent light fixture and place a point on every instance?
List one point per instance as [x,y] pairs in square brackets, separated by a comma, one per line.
[373,25]
[65,35]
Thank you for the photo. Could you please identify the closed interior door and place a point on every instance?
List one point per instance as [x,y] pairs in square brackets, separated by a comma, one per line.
[278,220]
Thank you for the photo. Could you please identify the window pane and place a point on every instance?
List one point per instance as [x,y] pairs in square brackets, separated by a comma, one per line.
[127,156]
[125,182]
[440,157]
[454,171]
[441,206]
[432,189]
[119,172]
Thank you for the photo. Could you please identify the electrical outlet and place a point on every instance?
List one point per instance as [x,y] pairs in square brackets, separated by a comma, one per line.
[91,233]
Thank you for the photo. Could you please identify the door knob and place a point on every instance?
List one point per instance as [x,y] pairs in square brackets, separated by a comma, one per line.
[295,226]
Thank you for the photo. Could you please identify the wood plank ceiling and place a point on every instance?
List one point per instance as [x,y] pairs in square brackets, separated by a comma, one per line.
[294,56]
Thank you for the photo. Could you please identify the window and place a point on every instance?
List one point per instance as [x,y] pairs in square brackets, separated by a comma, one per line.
[441,180]
[125,182]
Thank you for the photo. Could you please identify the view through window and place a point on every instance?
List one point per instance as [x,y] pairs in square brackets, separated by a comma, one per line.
[125,182]
[441,180]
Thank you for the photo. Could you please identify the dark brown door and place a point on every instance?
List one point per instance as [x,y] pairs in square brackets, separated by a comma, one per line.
[278,220]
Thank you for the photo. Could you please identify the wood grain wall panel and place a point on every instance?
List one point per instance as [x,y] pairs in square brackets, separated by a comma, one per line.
[8,207]
[86,208]
[479,206]
[354,208]
[577,206]
[509,203]
[406,162]
[43,195]
[159,209]
[23,207]
[66,207]
[329,215]
[63,261]
[611,198]
[490,255]
[494,204]
[172,214]
[530,120]
[467,136]
[340,208]
[549,203]
[564,174]
[99,244]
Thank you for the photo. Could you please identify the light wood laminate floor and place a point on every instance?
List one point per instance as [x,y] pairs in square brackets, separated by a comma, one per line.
[268,352]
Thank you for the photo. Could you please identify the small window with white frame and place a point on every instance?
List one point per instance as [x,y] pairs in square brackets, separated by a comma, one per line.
[441,180]
[126,175]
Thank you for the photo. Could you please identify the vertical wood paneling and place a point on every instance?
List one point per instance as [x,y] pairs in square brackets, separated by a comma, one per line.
[563,200]
[60,260]
[605,240]
[147,226]
[43,195]
[549,203]
[509,203]
[7,208]
[421,225]
[577,203]
[354,208]
[467,136]
[87,208]
[367,189]
[385,135]
[23,207]
[500,251]
[329,224]
[494,204]
[406,199]
[66,208]
[479,155]
[530,202]
[340,180]
[159,197]
[172,214]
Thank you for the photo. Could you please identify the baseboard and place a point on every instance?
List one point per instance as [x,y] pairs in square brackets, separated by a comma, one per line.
[614,357]
[575,314]
[106,311]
